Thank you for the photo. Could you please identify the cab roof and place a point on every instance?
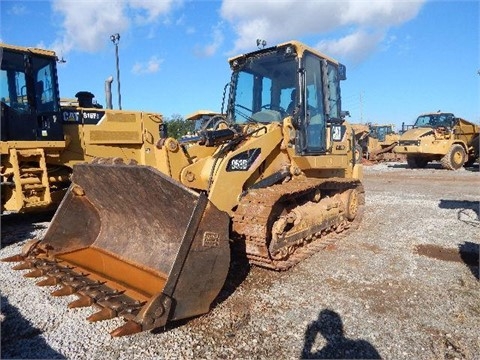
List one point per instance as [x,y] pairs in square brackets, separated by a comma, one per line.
[299,47]
[22,49]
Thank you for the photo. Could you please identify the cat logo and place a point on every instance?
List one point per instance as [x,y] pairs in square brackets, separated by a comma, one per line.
[82,117]
[71,116]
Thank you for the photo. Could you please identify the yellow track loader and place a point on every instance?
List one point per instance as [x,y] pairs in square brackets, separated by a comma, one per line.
[150,240]
[43,137]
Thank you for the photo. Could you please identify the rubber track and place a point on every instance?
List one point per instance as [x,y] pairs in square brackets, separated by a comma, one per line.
[253,219]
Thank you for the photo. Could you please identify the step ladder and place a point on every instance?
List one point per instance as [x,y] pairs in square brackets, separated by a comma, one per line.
[30,178]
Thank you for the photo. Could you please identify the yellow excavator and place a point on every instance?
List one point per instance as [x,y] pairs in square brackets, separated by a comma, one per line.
[150,240]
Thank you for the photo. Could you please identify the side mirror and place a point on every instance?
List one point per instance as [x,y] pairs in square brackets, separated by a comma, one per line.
[342,72]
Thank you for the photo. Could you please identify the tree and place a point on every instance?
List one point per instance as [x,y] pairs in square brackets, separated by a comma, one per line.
[177,126]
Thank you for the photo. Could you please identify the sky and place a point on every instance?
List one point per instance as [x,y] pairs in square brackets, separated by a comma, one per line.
[403,57]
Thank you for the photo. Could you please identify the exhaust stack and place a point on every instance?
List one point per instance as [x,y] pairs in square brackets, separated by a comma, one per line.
[108,92]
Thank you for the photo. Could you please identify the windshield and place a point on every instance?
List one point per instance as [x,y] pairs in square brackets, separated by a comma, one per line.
[435,120]
[27,83]
[265,88]
[380,132]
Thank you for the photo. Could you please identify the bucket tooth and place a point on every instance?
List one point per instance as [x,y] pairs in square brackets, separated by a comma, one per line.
[35,273]
[82,301]
[14,258]
[23,266]
[47,266]
[64,291]
[129,328]
[76,281]
[103,314]
[49,281]
[93,290]
[130,311]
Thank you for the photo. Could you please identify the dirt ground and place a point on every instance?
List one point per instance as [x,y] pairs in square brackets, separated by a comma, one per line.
[404,285]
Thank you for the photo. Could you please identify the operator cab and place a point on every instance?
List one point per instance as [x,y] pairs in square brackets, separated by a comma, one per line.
[288,80]
[435,120]
[30,106]
[381,132]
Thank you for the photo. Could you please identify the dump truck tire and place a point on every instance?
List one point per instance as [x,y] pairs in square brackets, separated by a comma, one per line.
[454,159]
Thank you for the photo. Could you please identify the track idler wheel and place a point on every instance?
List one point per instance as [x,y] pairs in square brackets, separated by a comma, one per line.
[351,200]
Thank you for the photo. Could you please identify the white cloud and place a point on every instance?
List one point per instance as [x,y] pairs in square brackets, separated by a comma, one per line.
[212,47]
[381,13]
[366,22]
[152,8]
[87,25]
[149,67]
[17,9]
[356,46]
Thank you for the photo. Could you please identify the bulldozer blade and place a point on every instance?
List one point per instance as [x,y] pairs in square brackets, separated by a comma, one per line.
[129,328]
[103,314]
[14,258]
[143,234]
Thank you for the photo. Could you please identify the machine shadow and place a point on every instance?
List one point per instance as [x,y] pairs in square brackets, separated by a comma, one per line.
[329,325]
[237,273]
[470,254]
[473,168]
[431,165]
[464,208]
[19,227]
[20,340]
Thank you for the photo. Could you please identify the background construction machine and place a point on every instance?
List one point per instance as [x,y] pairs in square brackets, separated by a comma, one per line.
[42,138]
[150,242]
[440,137]
[377,142]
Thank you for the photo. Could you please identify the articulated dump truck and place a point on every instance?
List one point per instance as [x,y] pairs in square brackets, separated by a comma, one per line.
[443,137]
[150,240]
[42,138]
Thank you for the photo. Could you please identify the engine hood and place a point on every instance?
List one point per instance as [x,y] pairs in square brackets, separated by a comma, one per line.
[415,134]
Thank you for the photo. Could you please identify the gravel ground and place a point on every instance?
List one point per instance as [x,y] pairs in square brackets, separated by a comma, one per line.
[403,286]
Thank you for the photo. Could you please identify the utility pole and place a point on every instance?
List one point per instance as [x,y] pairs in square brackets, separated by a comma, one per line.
[116,39]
